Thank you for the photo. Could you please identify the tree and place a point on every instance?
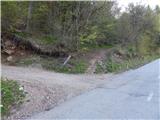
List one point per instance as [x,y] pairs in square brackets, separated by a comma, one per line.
[78,23]
[30,7]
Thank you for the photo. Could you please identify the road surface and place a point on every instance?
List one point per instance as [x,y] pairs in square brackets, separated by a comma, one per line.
[47,89]
[130,95]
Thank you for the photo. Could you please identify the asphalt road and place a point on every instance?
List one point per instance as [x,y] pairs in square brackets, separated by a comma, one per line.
[134,94]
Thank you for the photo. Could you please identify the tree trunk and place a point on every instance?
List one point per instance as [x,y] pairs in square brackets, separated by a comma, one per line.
[30,7]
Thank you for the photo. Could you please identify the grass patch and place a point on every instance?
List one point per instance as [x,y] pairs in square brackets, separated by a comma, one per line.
[73,66]
[100,68]
[124,58]
[43,39]
[89,46]
[136,62]
[27,61]
[11,95]
[55,64]
[112,65]
[48,39]
[22,34]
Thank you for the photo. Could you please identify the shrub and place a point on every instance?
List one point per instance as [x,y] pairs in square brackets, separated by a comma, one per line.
[144,46]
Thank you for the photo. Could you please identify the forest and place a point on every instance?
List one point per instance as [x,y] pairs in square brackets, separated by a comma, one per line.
[58,29]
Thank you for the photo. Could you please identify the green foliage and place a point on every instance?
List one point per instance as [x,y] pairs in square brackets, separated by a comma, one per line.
[83,24]
[112,65]
[88,47]
[79,67]
[22,34]
[13,15]
[73,66]
[55,64]
[88,39]
[48,39]
[8,14]
[100,68]
[39,17]
[144,45]
[10,95]
[25,61]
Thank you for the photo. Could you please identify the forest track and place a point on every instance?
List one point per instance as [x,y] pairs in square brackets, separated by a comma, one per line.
[97,57]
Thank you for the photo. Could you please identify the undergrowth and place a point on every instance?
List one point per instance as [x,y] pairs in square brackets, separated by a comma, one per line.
[11,95]
[55,64]
[112,65]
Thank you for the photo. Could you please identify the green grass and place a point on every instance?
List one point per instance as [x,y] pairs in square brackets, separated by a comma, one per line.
[89,46]
[48,39]
[100,68]
[73,66]
[136,62]
[132,63]
[44,39]
[55,64]
[22,34]
[10,95]
[25,62]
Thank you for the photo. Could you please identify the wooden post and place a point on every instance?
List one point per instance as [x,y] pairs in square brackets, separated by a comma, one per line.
[68,58]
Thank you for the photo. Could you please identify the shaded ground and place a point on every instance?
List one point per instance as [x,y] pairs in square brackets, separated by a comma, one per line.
[47,89]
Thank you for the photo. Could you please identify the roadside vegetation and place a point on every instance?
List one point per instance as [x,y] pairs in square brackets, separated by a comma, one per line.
[58,29]
[121,60]
[12,95]
[54,64]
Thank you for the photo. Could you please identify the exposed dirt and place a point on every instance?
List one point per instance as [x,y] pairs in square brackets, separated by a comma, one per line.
[10,50]
[47,89]
[95,57]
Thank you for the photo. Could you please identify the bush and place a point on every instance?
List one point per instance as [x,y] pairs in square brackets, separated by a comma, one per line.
[48,39]
[144,46]
[11,95]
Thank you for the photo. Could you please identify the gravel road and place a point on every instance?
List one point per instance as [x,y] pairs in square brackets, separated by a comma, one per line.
[48,89]
[130,95]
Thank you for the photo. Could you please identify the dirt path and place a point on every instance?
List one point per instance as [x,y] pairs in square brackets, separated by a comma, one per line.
[96,56]
[48,89]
